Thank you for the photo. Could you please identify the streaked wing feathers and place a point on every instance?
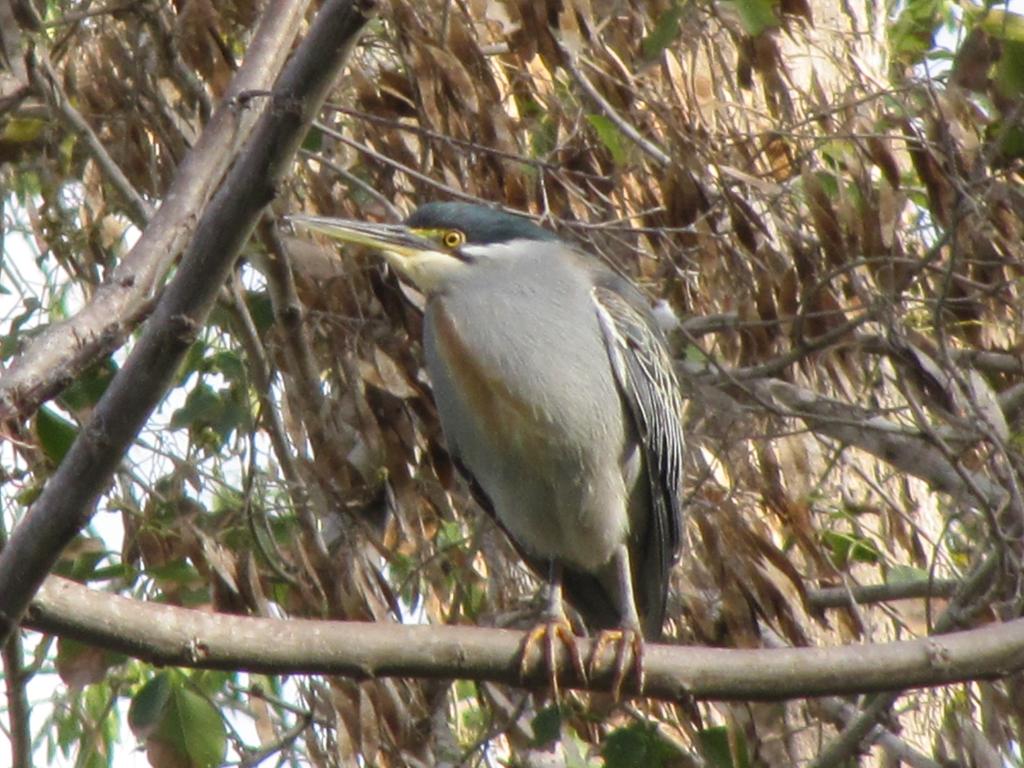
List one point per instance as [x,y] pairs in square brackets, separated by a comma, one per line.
[648,384]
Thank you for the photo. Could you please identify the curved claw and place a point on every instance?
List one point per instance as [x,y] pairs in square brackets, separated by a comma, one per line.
[625,640]
[549,631]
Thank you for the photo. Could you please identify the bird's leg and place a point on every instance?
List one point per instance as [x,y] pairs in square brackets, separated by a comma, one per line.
[629,637]
[554,625]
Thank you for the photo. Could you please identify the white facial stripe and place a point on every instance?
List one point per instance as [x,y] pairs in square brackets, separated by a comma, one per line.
[510,250]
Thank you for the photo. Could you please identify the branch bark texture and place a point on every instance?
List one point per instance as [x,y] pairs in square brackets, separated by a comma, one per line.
[167,635]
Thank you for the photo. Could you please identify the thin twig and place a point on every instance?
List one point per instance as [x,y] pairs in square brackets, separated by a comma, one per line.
[186,79]
[380,158]
[352,179]
[472,146]
[47,84]
[253,757]
[841,597]
[73,17]
[839,711]
[260,372]
[648,147]
[18,711]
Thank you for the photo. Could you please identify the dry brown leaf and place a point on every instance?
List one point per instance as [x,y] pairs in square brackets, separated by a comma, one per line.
[462,85]
[826,222]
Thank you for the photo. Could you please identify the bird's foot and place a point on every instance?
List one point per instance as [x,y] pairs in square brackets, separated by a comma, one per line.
[548,631]
[626,642]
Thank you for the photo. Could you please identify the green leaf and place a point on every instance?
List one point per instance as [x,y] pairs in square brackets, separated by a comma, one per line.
[757,15]
[694,354]
[211,415]
[666,30]
[177,571]
[55,434]
[912,35]
[1009,79]
[87,389]
[115,571]
[1004,25]
[313,140]
[92,753]
[201,406]
[227,364]
[66,148]
[22,130]
[543,138]
[193,361]
[901,574]
[261,308]
[637,746]
[195,726]
[527,106]
[547,726]
[26,185]
[12,338]
[212,681]
[450,534]
[79,558]
[475,600]
[1011,146]
[148,705]
[27,496]
[167,711]
[846,548]
[610,136]
[718,751]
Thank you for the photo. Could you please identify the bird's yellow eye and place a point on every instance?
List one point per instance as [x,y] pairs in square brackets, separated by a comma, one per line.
[453,238]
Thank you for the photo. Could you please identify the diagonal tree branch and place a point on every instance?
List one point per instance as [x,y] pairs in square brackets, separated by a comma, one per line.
[880,437]
[66,502]
[56,356]
[163,634]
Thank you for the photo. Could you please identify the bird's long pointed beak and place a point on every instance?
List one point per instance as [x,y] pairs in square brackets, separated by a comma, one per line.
[391,238]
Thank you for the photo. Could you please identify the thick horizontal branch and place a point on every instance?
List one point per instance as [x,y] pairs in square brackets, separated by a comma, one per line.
[168,635]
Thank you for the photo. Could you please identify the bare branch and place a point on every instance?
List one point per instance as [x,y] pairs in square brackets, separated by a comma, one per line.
[385,160]
[163,634]
[17,703]
[183,76]
[648,147]
[56,356]
[841,597]
[882,438]
[857,729]
[844,713]
[66,502]
[288,313]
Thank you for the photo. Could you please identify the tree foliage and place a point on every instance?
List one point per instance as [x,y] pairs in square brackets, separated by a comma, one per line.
[824,199]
